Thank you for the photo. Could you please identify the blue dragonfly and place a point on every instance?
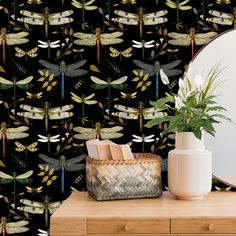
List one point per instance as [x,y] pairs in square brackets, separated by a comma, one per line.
[64,164]
[62,69]
[155,68]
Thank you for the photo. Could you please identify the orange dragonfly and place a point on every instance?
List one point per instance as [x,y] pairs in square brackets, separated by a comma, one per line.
[11,39]
[192,38]
[11,133]
[98,39]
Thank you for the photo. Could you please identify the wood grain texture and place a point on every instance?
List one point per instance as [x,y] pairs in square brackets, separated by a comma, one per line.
[82,215]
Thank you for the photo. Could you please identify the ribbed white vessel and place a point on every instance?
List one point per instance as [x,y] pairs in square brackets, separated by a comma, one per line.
[189,167]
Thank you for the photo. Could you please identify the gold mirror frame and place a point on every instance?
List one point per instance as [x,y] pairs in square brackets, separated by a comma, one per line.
[222,51]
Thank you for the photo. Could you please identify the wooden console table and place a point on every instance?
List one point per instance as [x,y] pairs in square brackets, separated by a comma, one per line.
[81,215]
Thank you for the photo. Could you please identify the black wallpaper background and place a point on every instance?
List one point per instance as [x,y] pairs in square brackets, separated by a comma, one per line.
[109,67]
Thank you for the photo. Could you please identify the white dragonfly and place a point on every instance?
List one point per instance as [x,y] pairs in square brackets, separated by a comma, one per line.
[49,139]
[46,18]
[46,207]
[141,18]
[222,18]
[143,139]
[98,132]
[13,227]
[140,113]
[46,112]
[49,44]
[143,44]
[42,232]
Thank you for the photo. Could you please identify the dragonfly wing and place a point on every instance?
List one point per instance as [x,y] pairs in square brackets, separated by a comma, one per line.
[146,67]
[111,35]
[204,38]
[61,109]
[13,230]
[18,223]
[155,21]
[126,14]
[61,14]
[75,73]
[84,36]
[76,159]
[220,21]
[25,81]
[180,41]
[32,209]
[49,159]
[60,115]
[17,35]
[5,176]
[126,115]
[126,21]
[112,129]
[17,129]
[221,14]
[49,65]
[84,136]
[31,203]
[31,109]
[76,65]
[32,14]
[32,115]
[25,175]
[172,72]
[111,135]
[5,81]
[60,21]
[97,80]
[120,80]
[75,167]
[152,115]
[83,130]
[155,14]
[17,41]
[76,4]
[125,108]
[32,21]
[85,42]
[171,65]
[111,41]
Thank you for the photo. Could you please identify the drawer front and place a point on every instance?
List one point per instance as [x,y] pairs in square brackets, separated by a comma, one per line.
[128,226]
[204,225]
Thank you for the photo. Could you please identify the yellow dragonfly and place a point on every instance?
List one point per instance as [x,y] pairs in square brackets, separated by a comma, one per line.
[11,39]
[98,39]
[223,2]
[46,112]
[31,147]
[12,227]
[84,100]
[46,207]
[31,53]
[46,18]
[192,38]
[98,132]
[34,2]
[125,53]
[140,113]
[141,18]
[84,6]
[222,18]
[11,133]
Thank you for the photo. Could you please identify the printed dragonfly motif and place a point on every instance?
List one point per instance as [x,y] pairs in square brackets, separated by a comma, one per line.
[23,179]
[22,84]
[143,45]
[46,207]
[116,53]
[49,139]
[42,232]
[98,132]
[128,2]
[98,39]
[192,38]
[31,53]
[84,100]
[84,6]
[46,112]
[12,227]
[222,18]
[48,44]
[11,133]
[140,18]
[31,147]
[140,113]
[223,2]
[178,6]
[143,139]
[11,39]
[46,18]
[34,96]
[116,84]
[72,70]
[155,69]
[63,165]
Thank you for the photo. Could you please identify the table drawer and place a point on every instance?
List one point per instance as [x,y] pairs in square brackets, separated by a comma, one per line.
[203,225]
[128,226]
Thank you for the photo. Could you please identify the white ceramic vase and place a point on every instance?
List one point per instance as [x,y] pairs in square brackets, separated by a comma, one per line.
[189,167]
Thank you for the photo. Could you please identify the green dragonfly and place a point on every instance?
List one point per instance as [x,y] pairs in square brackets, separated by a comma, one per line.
[23,179]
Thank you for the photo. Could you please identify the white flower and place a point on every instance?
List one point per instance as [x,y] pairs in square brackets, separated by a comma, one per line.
[198,82]
[178,102]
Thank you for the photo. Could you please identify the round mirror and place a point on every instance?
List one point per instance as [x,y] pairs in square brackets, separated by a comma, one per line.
[222,51]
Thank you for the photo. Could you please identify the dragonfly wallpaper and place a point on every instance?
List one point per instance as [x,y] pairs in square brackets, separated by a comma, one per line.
[74,70]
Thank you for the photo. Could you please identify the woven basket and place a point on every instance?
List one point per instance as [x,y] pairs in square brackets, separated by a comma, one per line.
[123,179]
